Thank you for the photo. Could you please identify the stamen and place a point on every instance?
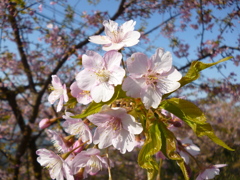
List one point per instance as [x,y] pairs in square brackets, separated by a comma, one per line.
[103,75]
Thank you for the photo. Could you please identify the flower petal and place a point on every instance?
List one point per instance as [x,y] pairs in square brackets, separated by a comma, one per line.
[56,82]
[161,61]
[112,59]
[102,92]
[130,124]
[113,46]
[133,86]
[54,95]
[60,104]
[99,119]
[99,39]
[127,26]
[124,141]
[116,76]
[131,38]
[165,85]
[151,97]
[174,75]
[92,60]
[86,79]
[137,64]
[103,137]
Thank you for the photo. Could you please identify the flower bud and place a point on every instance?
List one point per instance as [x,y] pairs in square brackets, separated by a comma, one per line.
[44,123]
[79,175]
[69,140]
[177,124]
[77,144]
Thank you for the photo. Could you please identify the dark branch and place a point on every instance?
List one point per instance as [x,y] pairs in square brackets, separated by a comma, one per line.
[36,166]
[11,98]
[15,28]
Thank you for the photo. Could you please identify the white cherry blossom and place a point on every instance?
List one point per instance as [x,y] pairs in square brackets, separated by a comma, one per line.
[77,127]
[100,74]
[210,172]
[91,161]
[150,78]
[115,127]
[58,168]
[59,92]
[117,37]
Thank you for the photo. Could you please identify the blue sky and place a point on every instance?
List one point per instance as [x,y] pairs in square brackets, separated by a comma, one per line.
[160,41]
[156,38]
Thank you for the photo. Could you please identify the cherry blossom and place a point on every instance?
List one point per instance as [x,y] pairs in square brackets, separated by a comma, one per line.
[101,74]
[82,96]
[210,172]
[59,92]
[77,127]
[90,160]
[58,168]
[150,78]
[187,147]
[115,127]
[58,141]
[117,37]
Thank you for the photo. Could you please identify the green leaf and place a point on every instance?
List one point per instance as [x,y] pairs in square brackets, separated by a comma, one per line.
[169,148]
[96,107]
[184,109]
[151,146]
[194,72]
[194,117]
[195,68]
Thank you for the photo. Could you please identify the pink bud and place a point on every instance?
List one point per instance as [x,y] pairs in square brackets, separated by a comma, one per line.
[76,144]
[44,123]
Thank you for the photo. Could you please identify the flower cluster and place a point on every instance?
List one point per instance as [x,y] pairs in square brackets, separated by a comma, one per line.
[108,123]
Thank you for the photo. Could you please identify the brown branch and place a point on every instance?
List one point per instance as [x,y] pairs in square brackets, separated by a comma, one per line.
[16,33]
[11,98]
[21,149]
[36,166]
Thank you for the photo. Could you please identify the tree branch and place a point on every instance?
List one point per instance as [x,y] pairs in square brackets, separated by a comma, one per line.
[36,166]
[11,98]
[14,25]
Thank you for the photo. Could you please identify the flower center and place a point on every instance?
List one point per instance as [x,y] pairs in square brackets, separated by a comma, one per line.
[115,123]
[103,75]
[94,163]
[116,36]
[77,128]
[151,78]
[85,93]
[53,164]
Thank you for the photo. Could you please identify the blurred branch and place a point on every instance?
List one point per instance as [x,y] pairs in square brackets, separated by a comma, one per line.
[21,149]
[16,33]
[36,166]
[11,98]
